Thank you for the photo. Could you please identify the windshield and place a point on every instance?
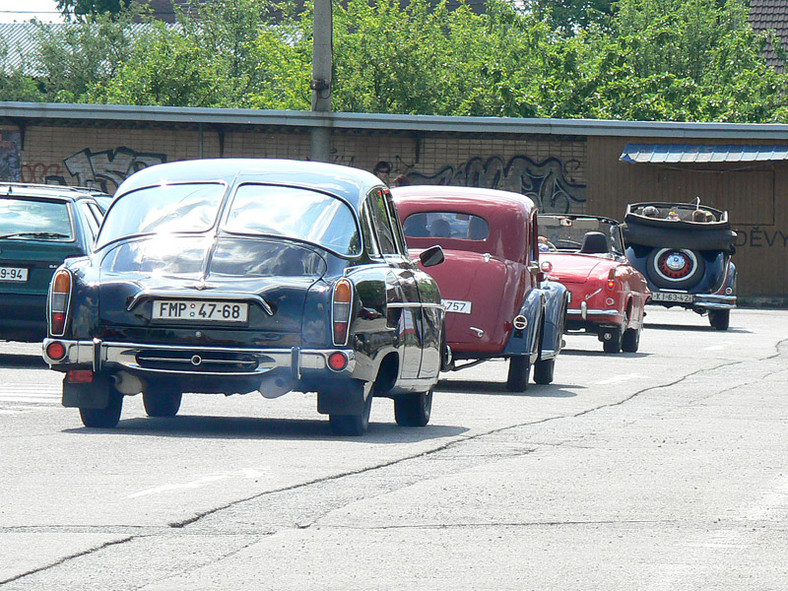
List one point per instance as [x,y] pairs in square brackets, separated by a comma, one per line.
[190,207]
[27,219]
[294,213]
[569,234]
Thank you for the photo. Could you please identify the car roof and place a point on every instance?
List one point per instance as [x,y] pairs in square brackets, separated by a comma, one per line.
[352,184]
[63,192]
[473,200]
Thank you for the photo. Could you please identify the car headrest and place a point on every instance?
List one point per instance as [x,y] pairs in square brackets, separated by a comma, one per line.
[594,243]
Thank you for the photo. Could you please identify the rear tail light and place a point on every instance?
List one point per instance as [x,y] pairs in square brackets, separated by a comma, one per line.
[342,305]
[58,302]
[337,361]
[611,279]
[56,350]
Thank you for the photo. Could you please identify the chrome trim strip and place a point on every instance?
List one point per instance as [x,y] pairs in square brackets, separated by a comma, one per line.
[585,312]
[413,305]
[199,295]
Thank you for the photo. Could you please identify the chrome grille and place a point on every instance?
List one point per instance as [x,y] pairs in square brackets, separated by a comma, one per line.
[197,361]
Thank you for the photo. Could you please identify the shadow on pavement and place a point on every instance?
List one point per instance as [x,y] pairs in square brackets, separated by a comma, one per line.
[499,389]
[732,329]
[22,360]
[213,427]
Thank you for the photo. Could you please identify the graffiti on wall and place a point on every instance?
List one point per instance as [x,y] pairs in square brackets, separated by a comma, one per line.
[550,183]
[10,155]
[103,170]
[106,170]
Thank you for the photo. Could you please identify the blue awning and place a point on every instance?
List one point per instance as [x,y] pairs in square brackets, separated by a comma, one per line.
[701,153]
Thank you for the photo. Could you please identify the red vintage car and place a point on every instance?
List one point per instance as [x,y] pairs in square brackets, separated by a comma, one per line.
[586,254]
[497,304]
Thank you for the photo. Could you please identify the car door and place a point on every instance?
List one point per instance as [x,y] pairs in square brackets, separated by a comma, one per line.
[402,273]
[430,311]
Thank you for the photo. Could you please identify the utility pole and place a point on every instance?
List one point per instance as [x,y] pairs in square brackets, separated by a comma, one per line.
[322,57]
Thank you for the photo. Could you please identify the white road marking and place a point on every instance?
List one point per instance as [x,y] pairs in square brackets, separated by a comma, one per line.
[200,482]
[621,378]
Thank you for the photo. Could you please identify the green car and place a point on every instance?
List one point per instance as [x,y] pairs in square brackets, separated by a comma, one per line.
[40,226]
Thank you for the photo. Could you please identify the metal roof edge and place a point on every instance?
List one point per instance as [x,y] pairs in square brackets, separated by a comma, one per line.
[389,122]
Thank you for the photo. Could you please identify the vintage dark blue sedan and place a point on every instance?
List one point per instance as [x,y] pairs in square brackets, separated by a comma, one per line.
[235,275]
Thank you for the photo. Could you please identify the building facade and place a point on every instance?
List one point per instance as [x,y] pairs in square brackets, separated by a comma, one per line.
[576,166]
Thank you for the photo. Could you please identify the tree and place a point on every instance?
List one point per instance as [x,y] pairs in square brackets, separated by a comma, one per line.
[81,9]
[570,16]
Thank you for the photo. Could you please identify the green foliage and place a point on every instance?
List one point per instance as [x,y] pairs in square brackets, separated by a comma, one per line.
[82,9]
[669,60]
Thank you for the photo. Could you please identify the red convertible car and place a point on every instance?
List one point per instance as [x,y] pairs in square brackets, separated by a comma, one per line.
[497,304]
[586,254]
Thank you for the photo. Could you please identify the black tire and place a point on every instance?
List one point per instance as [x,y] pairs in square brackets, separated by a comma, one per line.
[413,410]
[657,259]
[630,342]
[720,319]
[103,418]
[543,371]
[352,425]
[161,404]
[612,345]
[519,370]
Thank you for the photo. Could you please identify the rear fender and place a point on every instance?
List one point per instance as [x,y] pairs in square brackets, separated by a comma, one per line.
[556,302]
[524,342]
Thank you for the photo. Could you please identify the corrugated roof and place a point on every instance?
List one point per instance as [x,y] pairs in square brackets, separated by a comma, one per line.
[21,41]
[771,15]
[701,153]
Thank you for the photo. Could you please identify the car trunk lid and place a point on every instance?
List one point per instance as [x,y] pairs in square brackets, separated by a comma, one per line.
[200,290]
[481,294]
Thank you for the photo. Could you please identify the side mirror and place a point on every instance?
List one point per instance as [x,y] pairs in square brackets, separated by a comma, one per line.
[432,256]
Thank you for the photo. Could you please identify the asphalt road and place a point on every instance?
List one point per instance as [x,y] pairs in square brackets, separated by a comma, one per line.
[666,469]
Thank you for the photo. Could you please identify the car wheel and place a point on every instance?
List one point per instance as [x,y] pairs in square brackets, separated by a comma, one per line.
[519,370]
[353,425]
[161,403]
[543,371]
[631,340]
[720,319]
[413,410]
[103,418]
[613,344]
[675,268]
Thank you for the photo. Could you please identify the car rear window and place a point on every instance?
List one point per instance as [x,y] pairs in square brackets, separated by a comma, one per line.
[444,224]
[293,212]
[29,219]
[164,209]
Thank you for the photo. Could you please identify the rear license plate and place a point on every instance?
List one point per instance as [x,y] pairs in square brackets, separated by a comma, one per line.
[666,296]
[16,274]
[200,310]
[458,306]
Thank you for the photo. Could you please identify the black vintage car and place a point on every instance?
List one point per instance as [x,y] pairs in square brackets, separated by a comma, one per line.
[684,250]
[235,275]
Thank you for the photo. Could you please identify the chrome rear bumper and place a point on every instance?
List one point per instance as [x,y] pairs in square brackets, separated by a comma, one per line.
[193,361]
